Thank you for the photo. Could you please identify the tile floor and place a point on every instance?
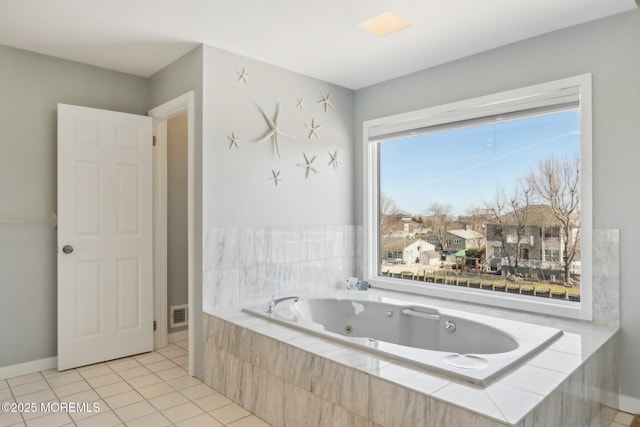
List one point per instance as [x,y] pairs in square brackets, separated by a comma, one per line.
[151,389]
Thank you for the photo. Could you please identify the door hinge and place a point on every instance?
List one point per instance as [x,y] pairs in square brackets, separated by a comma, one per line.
[155,326]
[154,140]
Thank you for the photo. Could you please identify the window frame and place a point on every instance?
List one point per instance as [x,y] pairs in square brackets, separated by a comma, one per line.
[475,108]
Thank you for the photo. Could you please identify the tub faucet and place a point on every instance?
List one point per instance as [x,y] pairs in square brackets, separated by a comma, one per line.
[274,302]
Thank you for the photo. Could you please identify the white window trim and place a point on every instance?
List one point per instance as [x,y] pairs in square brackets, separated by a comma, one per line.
[467,109]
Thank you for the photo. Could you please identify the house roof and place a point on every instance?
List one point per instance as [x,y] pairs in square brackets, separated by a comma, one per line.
[466,234]
[399,244]
[538,215]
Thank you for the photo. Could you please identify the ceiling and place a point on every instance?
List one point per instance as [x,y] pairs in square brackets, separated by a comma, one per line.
[321,39]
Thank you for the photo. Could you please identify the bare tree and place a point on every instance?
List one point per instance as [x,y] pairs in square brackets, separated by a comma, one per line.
[441,220]
[557,182]
[388,216]
[512,213]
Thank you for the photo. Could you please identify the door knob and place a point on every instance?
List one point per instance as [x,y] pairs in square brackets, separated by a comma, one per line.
[67,249]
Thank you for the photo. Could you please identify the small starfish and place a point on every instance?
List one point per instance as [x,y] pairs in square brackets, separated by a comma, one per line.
[276,177]
[243,76]
[326,101]
[234,140]
[313,129]
[300,104]
[334,160]
[274,130]
[308,165]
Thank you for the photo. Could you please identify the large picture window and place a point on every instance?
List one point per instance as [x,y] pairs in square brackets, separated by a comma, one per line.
[486,200]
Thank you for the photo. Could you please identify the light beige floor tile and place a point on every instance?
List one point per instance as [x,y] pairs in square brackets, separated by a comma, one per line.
[105,419]
[168,400]
[138,371]
[30,387]
[169,347]
[149,358]
[52,373]
[136,410]
[5,394]
[55,419]
[183,344]
[9,418]
[623,418]
[24,379]
[197,391]
[106,379]
[73,388]
[615,424]
[113,389]
[155,390]
[172,373]
[94,407]
[161,365]
[4,384]
[203,420]
[250,421]
[123,364]
[182,412]
[92,371]
[184,382]
[67,378]
[213,401]
[230,413]
[46,395]
[144,380]
[181,360]
[123,399]
[156,420]
[174,352]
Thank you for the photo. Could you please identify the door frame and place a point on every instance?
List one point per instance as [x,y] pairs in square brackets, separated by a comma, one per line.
[160,114]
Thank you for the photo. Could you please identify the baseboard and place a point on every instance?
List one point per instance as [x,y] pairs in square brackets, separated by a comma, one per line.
[629,404]
[28,367]
[178,336]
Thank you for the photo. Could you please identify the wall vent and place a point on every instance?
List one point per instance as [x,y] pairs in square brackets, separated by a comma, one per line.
[178,316]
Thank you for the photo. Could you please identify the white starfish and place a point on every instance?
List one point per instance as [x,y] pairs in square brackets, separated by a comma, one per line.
[300,104]
[326,101]
[243,76]
[334,160]
[313,129]
[276,177]
[274,130]
[234,140]
[308,165]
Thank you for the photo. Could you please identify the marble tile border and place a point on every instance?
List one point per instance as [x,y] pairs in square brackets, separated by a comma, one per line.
[290,379]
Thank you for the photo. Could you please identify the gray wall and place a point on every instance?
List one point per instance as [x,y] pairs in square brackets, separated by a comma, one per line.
[178,78]
[608,49]
[236,180]
[31,85]
[177,224]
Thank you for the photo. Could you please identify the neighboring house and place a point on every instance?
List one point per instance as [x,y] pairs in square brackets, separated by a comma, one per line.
[540,242]
[404,250]
[457,239]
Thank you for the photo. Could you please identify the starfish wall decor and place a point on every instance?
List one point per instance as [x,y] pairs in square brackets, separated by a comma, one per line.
[274,130]
[243,76]
[326,101]
[308,165]
[334,160]
[313,129]
[300,104]
[234,140]
[275,177]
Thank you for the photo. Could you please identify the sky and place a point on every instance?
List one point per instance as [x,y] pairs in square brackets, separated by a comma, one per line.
[465,168]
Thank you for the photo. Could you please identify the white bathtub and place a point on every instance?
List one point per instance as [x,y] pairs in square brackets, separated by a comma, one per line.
[468,346]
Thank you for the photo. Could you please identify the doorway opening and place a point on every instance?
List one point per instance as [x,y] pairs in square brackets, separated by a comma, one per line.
[173,219]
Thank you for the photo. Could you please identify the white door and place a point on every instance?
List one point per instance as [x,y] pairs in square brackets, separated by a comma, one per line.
[105,282]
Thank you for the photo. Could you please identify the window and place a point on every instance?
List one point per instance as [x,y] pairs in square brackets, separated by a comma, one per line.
[486,171]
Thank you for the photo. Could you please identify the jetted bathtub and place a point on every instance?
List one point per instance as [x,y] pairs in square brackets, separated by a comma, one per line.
[468,346]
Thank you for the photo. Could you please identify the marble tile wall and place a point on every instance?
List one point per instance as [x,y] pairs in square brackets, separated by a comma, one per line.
[248,265]
[291,386]
[606,278]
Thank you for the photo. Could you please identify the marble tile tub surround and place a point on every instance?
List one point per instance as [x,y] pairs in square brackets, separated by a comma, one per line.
[606,278]
[290,378]
[246,265]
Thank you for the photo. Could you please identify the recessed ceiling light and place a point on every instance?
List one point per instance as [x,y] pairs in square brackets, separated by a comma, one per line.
[384,24]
